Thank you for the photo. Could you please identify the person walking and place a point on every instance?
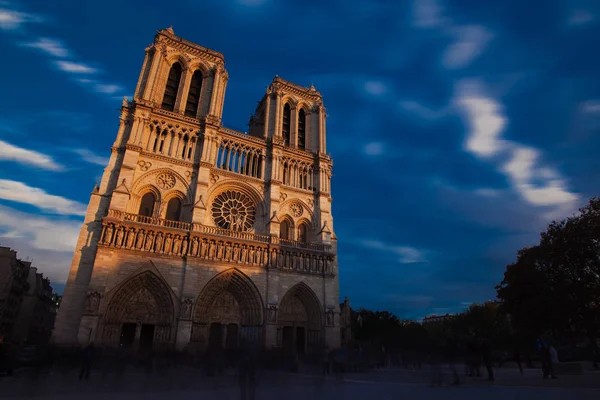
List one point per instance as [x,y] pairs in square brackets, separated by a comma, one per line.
[553,361]
[88,359]
[486,354]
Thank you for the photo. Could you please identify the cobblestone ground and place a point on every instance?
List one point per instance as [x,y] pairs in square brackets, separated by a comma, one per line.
[186,383]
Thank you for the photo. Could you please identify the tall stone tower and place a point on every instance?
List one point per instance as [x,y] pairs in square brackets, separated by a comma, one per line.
[203,236]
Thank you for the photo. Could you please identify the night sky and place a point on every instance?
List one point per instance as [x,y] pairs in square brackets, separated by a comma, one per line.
[458,129]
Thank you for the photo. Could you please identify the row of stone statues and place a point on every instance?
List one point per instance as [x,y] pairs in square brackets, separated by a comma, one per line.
[210,249]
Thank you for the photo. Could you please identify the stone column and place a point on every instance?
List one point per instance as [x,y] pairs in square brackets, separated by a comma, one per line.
[143,75]
[183,90]
[215,87]
[267,114]
[157,61]
[277,132]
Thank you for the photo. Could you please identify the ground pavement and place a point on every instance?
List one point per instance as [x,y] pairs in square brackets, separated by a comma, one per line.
[388,383]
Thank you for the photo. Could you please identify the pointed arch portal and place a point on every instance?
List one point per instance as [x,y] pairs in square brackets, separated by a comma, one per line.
[140,314]
[300,320]
[229,310]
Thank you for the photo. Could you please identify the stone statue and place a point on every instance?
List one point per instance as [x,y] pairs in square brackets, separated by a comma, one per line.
[130,238]
[195,247]
[244,254]
[330,317]
[251,255]
[236,253]
[92,303]
[108,233]
[272,313]
[186,309]
[119,240]
[228,252]
[274,258]
[204,249]
[159,243]
[219,250]
[149,241]
[184,246]
[212,250]
[177,245]
[257,255]
[140,240]
[168,243]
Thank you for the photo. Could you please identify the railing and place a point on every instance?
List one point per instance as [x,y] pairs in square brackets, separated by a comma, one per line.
[215,231]
[246,136]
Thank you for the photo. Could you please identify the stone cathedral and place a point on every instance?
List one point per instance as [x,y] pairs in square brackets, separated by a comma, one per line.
[202,236]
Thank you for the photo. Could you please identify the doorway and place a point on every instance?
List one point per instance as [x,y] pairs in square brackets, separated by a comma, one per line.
[300,340]
[215,336]
[287,339]
[146,337]
[231,336]
[127,336]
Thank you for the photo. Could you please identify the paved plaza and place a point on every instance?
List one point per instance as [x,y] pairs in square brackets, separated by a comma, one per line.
[379,384]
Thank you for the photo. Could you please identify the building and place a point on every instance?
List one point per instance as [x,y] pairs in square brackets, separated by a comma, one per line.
[38,310]
[437,318]
[346,322]
[13,284]
[199,235]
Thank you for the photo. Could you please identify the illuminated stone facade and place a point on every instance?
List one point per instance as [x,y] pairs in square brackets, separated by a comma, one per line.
[199,235]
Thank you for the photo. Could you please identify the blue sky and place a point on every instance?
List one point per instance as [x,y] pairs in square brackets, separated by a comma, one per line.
[458,129]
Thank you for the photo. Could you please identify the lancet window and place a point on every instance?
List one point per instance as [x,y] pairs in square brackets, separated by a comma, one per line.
[170,95]
[285,127]
[193,99]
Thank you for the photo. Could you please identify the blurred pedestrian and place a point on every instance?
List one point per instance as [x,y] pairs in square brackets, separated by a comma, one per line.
[88,359]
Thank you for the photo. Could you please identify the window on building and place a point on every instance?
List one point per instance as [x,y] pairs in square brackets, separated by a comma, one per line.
[173,209]
[170,95]
[285,129]
[284,230]
[302,129]
[147,204]
[191,107]
[302,233]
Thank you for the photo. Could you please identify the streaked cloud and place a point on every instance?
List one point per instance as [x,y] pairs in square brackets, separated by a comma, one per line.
[9,152]
[52,47]
[22,193]
[427,13]
[107,88]
[537,183]
[11,19]
[375,88]
[406,254]
[422,111]
[374,148]
[485,117]
[91,158]
[580,17]
[40,232]
[469,42]
[591,106]
[75,67]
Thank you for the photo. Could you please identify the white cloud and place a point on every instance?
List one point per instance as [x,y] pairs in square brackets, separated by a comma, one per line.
[407,255]
[39,232]
[74,67]
[375,88]
[21,193]
[13,20]
[538,184]
[374,149]
[9,152]
[426,13]
[469,43]
[107,88]
[52,47]
[420,110]
[591,106]
[92,158]
[580,17]
[485,117]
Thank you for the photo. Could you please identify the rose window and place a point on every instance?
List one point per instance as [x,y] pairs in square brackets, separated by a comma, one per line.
[233,210]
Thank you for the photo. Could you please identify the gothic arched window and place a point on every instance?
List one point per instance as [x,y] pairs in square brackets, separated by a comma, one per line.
[173,209]
[302,233]
[284,230]
[191,107]
[147,205]
[285,129]
[302,129]
[172,87]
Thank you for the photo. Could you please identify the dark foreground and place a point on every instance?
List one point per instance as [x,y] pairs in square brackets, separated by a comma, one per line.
[388,383]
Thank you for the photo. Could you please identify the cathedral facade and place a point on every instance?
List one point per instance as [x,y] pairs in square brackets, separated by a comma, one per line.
[199,235]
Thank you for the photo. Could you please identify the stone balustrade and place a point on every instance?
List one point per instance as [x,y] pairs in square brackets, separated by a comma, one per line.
[162,237]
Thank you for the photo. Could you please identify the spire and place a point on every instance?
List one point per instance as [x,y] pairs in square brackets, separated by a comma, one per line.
[170,30]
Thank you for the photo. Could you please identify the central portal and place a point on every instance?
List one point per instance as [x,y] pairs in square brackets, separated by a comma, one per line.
[228,312]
